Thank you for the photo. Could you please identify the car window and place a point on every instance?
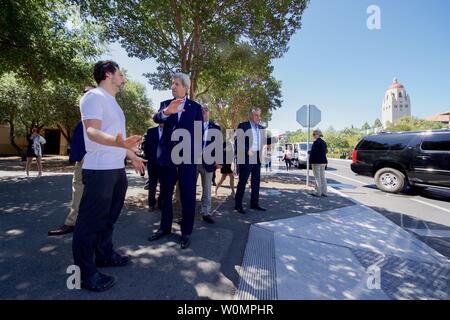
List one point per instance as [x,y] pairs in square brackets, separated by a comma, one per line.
[385,142]
[436,142]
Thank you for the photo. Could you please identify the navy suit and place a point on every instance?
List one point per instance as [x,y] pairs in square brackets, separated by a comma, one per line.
[211,126]
[150,147]
[249,166]
[185,173]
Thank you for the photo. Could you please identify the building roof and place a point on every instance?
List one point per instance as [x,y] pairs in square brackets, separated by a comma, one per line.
[396,85]
[440,117]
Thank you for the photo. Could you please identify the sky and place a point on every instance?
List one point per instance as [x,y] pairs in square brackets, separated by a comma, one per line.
[336,63]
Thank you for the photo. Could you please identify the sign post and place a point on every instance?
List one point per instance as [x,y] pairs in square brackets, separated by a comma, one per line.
[308,116]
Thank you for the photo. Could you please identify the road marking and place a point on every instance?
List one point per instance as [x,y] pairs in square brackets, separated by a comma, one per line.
[343,177]
[342,160]
[337,165]
[431,232]
[431,205]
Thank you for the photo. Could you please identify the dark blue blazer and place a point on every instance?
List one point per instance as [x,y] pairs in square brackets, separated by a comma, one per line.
[247,126]
[318,153]
[211,167]
[192,113]
[77,147]
[150,145]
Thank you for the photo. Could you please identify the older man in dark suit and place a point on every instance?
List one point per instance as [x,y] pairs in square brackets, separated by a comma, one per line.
[249,145]
[181,114]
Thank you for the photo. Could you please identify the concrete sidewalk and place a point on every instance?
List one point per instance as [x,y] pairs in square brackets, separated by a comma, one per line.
[33,266]
[332,254]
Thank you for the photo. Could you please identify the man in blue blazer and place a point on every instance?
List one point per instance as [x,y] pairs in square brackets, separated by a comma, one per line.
[207,168]
[150,147]
[249,159]
[178,113]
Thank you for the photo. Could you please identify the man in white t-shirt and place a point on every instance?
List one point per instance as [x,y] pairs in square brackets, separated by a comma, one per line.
[104,177]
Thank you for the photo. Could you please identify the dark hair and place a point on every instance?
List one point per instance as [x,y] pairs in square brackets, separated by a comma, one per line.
[101,68]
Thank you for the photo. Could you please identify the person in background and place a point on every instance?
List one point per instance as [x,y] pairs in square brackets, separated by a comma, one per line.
[226,170]
[206,170]
[268,158]
[150,147]
[251,152]
[76,155]
[288,158]
[34,150]
[318,160]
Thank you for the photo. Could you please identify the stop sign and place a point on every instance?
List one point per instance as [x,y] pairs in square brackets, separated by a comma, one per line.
[314,115]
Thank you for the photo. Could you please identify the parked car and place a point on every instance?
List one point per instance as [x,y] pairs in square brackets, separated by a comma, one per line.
[417,159]
[301,154]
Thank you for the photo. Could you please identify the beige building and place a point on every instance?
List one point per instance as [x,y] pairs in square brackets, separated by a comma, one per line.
[56,143]
[443,117]
[396,103]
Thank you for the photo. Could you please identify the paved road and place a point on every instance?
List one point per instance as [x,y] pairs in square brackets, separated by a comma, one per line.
[426,213]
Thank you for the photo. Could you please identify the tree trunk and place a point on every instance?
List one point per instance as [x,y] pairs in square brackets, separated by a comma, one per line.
[12,141]
[65,135]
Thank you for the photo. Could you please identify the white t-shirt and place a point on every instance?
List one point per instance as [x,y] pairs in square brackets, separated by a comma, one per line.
[99,104]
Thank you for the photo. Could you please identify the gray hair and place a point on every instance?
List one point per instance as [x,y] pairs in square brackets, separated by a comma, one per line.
[253,110]
[185,80]
[317,131]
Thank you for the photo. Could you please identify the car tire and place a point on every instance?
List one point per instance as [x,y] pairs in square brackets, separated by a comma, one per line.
[390,180]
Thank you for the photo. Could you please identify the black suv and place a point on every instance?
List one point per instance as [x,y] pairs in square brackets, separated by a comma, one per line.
[417,158]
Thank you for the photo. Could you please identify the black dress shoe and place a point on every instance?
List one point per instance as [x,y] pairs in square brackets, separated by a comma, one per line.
[98,282]
[62,230]
[185,241]
[158,234]
[257,207]
[314,195]
[240,210]
[208,219]
[151,208]
[116,260]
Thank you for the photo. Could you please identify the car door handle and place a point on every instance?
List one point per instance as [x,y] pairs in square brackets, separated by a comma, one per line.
[423,157]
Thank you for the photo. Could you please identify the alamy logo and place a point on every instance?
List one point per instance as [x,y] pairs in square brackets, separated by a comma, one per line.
[374,275]
[74,280]
[374,19]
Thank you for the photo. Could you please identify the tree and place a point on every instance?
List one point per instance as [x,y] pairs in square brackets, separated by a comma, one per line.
[42,40]
[408,123]
[242,80]
[136,107]
[365,127]
[377,124]
[297,136]
[11,95]
[188,35]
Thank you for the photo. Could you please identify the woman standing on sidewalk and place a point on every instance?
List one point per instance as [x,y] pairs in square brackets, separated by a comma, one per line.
[287,158]
[34,150]
[268,157]
[226,170]
[318,161]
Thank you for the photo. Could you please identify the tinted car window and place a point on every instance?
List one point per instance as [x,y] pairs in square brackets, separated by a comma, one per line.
[385,142]
[436,142]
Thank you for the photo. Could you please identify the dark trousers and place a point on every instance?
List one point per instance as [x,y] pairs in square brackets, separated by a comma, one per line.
[153,177]
[100,206]
[186,175]
[244,172]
